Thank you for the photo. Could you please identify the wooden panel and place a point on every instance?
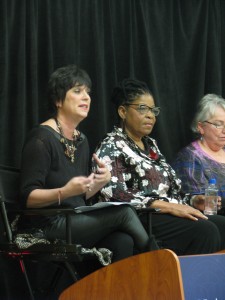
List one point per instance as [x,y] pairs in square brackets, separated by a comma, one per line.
[154,275]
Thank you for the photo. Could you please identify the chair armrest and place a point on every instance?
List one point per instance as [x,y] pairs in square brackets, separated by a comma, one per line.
[42,211]
[55,211]
[149,211]
[47,211]
[68,212]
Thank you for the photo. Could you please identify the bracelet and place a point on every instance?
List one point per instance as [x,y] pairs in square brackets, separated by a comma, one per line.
[152,198]
[59,197]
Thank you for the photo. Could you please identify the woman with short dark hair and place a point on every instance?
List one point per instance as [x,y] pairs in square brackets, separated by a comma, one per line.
[54,172]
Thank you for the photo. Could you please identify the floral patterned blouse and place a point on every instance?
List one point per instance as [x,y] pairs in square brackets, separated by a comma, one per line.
[136,175]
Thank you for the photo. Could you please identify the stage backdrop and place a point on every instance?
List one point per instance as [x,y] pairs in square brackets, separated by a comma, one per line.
[176,46]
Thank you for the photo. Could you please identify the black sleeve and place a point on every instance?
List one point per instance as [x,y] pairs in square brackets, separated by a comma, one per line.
[36,160]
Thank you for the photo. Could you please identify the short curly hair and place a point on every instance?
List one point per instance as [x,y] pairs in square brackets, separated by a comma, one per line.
[62,80]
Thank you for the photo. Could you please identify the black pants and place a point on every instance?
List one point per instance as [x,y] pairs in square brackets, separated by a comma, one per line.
[117,228]
[186,237]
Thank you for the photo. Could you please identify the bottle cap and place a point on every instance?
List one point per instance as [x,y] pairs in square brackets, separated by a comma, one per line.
[212,181]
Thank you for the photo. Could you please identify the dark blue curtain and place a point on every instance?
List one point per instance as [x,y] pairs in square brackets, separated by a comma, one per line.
[176,46]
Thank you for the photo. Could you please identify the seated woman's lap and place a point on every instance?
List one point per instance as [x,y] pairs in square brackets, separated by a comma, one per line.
[220,223]
[185,236]
[90,228]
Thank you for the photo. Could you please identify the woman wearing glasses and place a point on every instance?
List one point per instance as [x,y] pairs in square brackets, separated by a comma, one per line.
[140,174]
[204,158]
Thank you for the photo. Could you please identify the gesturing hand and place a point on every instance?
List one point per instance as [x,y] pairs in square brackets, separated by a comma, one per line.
[78,185]
[102,174]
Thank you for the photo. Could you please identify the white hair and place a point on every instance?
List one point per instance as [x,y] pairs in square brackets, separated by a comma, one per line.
[206,109]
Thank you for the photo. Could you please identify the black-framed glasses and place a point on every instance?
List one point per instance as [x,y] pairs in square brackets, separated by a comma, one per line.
[144,109]
[217,126]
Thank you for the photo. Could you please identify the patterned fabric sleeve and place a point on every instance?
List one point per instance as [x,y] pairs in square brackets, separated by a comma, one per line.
[191,169]
[118,188]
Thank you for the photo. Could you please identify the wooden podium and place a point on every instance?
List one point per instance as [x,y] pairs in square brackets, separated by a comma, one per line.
[153,275]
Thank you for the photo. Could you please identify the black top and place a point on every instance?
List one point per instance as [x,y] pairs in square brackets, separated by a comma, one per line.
[45,165]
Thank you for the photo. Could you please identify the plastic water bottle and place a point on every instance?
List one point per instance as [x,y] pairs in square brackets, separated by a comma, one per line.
[211,195]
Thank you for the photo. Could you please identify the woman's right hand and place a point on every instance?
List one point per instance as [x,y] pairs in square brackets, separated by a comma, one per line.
[77,186]
[179,210]
[45,197]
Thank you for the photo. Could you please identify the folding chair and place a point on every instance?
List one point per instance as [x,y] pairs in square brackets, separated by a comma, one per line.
[63,253]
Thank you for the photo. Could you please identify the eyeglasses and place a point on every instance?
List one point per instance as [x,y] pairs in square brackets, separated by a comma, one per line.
[217,126]
[144,109]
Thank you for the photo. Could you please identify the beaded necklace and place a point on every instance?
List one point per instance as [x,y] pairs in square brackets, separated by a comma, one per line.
[69,149]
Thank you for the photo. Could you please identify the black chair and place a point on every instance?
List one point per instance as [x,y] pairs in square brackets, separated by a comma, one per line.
[145,215]
[62,253]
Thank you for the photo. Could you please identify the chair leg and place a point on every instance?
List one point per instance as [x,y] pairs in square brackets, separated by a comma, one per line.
[71,271]
[23,268]
[56,277]
[149,223]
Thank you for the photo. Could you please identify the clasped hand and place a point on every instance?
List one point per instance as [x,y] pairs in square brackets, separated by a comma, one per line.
[198,201]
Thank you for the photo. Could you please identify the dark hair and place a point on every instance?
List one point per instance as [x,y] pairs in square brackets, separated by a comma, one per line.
[128,90]
[62,80]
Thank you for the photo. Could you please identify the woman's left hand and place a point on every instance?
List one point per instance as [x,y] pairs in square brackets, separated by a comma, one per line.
[101,177]
[102,174]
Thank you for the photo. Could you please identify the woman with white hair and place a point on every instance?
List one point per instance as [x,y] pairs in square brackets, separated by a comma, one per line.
[204,158]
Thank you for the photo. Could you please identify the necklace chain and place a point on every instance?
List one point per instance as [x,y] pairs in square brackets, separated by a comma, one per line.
[69,149]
